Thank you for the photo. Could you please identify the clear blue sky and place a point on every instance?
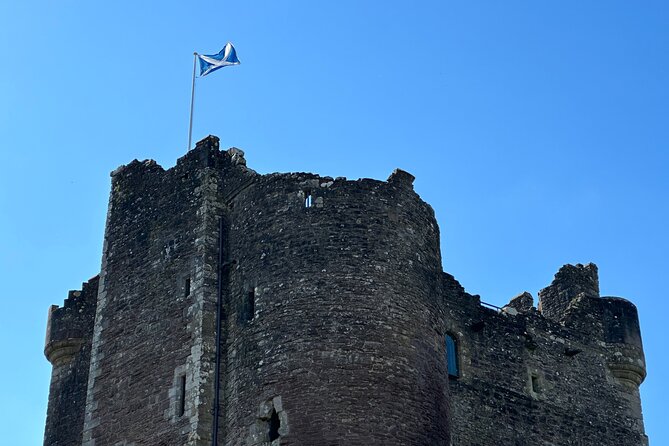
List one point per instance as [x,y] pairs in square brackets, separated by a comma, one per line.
[538,131]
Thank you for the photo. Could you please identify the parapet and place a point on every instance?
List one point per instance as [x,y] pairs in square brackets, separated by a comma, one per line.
[69,326]
[205,154]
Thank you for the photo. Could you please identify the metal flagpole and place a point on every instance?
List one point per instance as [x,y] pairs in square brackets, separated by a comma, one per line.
[192,101]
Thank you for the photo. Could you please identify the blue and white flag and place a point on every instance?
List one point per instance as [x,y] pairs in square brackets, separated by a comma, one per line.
[209,63]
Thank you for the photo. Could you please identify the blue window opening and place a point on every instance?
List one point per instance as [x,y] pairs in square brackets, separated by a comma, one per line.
[452,357]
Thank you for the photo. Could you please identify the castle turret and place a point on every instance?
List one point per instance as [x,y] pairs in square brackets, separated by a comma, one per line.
[67,347]
[334,331]
[623,338]
[573,297]
[625,357]
[609,323]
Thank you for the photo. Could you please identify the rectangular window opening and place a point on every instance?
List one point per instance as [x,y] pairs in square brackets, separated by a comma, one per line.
[452,357]
[250,304]
[307,198]
[181,409]
[187,287]
[535,383]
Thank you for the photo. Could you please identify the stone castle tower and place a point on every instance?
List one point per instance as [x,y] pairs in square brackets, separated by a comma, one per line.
[234,308]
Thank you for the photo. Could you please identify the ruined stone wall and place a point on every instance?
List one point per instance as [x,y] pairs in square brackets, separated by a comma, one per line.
[68,349]
[527,379]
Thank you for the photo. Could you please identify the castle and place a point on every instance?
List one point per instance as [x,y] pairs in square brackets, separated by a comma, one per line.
[234,308]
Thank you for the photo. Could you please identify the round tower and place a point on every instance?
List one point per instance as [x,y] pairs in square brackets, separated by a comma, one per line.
[333,318]
[67,347]
[623,337]
[625,358]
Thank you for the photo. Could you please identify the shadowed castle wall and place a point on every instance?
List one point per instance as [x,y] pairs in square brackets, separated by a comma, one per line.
[153,344]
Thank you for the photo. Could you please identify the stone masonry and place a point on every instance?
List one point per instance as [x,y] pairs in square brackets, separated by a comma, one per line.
[234,308]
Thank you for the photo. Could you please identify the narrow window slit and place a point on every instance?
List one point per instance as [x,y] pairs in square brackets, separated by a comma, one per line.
[250,304]
[535,383]
[182,396]
[274,425]
[451,357]
[187,287]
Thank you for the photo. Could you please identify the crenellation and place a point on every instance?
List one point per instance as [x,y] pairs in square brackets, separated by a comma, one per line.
[319,309]
[69,325]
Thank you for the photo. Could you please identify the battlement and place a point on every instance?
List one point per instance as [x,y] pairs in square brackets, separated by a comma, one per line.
[69,326]
[207,154]
[67,347]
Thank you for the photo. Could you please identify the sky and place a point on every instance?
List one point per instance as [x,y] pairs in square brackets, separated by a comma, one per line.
[538,131]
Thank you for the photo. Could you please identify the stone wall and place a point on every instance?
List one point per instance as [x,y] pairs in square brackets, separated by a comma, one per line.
[153,346]
[526,379]
[344,325]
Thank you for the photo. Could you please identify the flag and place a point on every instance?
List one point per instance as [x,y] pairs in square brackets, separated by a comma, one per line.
[227,56]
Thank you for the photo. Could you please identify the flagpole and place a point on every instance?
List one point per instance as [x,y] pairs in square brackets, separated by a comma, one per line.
[192,101]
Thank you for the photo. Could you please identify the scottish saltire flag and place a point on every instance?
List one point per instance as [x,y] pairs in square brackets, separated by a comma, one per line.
[227,56]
